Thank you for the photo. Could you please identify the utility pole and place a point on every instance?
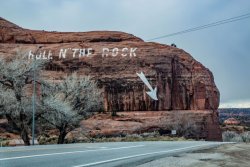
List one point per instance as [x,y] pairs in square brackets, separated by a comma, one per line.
[34,101]
[34,97]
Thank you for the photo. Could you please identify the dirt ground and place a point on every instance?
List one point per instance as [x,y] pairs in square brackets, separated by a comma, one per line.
[228,155]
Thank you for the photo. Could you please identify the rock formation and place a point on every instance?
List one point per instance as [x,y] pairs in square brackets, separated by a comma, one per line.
[231,121]
[182,82]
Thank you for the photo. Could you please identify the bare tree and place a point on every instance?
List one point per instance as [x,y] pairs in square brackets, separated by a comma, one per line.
[69,101]
[15,74]
[62,104]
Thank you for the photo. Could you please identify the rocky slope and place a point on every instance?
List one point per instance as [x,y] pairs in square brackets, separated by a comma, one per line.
[182,82]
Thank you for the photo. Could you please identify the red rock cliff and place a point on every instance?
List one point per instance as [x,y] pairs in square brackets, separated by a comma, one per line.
[182,82]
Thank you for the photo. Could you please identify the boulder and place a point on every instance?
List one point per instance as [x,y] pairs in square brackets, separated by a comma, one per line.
[231,121]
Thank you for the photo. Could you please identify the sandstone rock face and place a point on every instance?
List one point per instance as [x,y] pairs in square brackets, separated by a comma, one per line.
[182,82]
[11,33]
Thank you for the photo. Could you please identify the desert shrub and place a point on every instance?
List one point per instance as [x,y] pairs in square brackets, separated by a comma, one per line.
[151,134]
[2,142]
[184,125]
[47,139]
[246,136]
[133,136]
[237,139]
[230,136]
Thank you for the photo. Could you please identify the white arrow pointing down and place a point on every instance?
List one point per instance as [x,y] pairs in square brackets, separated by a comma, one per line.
[152,92]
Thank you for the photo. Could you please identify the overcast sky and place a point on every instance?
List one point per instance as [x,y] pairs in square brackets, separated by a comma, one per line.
[224,49]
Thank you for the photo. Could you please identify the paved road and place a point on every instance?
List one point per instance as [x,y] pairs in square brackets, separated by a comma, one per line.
[95,154]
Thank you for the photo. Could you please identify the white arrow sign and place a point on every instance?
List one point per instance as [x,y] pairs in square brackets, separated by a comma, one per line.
[152,92]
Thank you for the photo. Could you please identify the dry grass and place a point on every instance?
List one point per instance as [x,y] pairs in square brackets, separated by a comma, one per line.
[134,139]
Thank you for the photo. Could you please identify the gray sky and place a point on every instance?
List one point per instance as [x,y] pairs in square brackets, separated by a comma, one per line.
[224,49]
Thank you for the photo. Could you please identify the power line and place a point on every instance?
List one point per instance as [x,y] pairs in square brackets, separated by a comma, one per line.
[217,23]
